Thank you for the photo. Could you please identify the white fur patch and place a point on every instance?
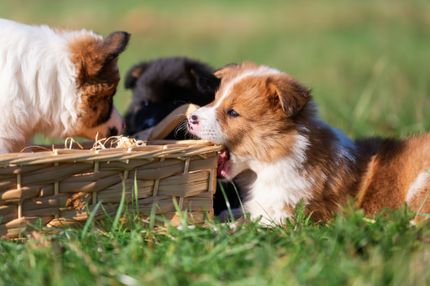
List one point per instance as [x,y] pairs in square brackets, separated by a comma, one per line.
[208,127]
[38,92]
[420,182]
[279,185]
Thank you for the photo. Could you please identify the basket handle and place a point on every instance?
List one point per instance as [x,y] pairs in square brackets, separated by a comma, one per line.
[168,124]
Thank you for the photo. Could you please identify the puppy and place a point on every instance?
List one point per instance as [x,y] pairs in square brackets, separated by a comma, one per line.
[268,122]
[57,82]
[161,85]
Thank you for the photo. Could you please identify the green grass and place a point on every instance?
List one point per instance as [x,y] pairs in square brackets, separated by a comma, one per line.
[350,250]
[367,64]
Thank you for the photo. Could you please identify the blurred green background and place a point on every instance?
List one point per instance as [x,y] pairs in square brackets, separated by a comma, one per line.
[367,62]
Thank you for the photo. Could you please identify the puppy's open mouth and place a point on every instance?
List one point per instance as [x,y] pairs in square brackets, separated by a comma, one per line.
[224,164]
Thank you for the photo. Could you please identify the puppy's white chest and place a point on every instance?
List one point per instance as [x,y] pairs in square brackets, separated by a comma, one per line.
[277,189]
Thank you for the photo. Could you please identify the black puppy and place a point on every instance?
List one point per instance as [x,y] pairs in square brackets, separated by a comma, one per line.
[161,85]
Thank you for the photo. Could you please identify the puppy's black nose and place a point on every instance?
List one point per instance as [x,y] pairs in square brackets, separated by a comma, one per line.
[194,119]
[112,132]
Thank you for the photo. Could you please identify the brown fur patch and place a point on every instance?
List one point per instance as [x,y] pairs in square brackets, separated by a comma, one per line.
[97,75]
[391,170]
[379,179]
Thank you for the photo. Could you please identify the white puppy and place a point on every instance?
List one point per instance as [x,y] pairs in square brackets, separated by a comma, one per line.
[57,82]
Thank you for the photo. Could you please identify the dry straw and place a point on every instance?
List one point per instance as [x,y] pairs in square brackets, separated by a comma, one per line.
[61,186]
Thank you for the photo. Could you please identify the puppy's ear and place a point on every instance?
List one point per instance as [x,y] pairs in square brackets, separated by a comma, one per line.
[93,56]
[204,80]
[113,45]
[133,74]
[288,93]
[221,72]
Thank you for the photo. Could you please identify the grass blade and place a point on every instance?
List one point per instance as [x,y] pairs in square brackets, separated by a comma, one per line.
[136,193]
[227,202]
[90,220]
[120,208]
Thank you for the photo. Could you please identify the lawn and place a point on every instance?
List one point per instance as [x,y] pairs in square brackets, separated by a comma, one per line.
[350,250]
[367,63]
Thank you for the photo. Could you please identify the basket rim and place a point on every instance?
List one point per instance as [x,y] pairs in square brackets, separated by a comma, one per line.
[153,149]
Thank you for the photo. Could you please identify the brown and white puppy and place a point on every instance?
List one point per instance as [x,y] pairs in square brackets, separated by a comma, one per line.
[269,124]
[57,82]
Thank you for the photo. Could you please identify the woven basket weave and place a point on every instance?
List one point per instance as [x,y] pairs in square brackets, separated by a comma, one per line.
[59,187]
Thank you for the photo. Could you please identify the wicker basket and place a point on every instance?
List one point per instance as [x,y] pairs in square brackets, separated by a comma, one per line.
[60,186]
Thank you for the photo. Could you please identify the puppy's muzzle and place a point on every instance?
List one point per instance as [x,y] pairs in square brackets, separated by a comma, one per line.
[114,126]
[193,121]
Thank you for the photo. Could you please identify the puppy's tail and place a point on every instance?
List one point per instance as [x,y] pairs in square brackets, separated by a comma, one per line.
[133,74]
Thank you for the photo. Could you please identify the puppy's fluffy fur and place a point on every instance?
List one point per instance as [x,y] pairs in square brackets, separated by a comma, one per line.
[56,82]
[161,85]
[269,123]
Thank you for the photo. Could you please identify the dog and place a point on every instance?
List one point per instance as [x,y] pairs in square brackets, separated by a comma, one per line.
[57,82]
[161,85]
[269,124]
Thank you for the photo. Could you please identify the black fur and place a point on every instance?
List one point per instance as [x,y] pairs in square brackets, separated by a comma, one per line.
[161,85]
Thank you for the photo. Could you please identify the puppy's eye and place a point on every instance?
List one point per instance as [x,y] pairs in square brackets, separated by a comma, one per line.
[232,113]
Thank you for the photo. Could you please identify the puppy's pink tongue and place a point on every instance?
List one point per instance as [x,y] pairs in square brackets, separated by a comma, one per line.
[223,158]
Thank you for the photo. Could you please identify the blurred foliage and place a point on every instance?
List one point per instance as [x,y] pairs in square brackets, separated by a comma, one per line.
[366,61]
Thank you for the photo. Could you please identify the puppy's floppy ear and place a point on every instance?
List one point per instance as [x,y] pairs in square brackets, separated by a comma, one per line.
[288,93]
[204,79]
[113,45]
[134,73]
[222,71]
[94,55]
